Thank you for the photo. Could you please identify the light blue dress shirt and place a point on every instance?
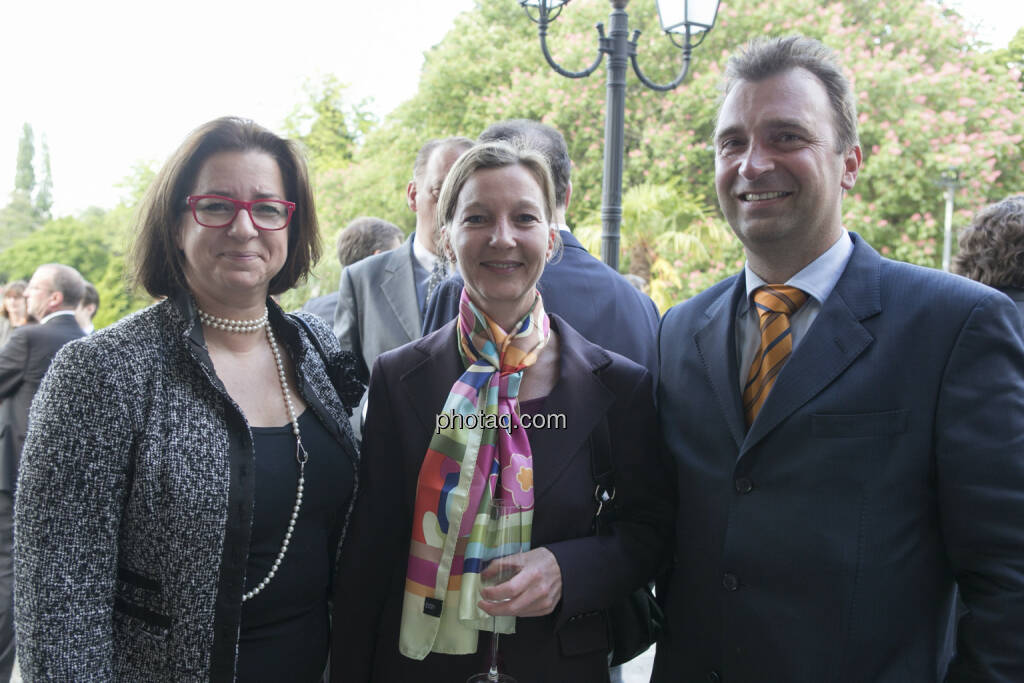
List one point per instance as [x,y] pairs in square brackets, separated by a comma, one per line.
[817,280]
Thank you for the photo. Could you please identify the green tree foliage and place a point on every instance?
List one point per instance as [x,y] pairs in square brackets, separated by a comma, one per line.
[327,125]
[134,185]
[77,241]
[667,237]
[17,219]
[44,195]
[1011,56]
[929,98]
[21,216]
[94,242]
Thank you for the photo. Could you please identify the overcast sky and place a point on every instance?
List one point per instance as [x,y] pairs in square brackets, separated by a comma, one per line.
[114,82]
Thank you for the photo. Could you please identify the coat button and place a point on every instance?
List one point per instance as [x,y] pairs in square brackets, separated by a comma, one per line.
[730,581]
[744,485]
[713,677]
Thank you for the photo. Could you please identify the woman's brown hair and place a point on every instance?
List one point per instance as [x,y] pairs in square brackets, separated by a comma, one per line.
[159,263]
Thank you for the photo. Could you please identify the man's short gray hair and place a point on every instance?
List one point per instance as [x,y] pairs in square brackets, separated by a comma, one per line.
[68,281]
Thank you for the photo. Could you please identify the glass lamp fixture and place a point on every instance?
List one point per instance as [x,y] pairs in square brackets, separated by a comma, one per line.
[688,17]
[687,23]
[548,4]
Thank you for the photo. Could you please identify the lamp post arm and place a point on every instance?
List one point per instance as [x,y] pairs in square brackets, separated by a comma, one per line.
[542,31]
[651,84]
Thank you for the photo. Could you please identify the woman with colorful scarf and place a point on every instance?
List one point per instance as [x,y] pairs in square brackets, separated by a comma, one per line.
[454,421]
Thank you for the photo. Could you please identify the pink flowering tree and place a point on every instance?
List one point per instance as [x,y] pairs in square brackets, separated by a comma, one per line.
[929,97]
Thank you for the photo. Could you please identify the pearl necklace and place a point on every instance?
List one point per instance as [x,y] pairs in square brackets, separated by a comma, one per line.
[234,325]
[301,456]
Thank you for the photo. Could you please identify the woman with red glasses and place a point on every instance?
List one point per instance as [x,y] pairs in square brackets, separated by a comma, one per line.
[190,470]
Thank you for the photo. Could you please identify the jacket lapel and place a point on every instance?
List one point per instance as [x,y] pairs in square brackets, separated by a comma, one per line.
[717,349]
[399,288]
[427,383]
[581,396]
[833,342]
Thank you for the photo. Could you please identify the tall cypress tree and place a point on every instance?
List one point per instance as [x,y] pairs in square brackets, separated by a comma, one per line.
[20,217]
[44,195]
[25,176]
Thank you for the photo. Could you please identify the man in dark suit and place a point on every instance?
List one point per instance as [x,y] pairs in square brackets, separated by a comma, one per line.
[597,301]
[848,431]
[53,293]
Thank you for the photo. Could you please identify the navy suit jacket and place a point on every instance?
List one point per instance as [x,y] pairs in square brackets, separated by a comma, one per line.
[323,306]
[408,386]
[1018,298]
[599,303]
[885,468]
[24,359]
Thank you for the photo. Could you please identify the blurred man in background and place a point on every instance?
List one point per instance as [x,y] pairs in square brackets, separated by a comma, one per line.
[363,237]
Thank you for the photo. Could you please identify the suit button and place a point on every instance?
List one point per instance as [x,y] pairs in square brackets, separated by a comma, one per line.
[730,581]
[744,485]
[713,677]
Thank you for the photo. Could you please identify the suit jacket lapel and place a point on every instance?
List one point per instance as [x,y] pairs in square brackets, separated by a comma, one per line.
[399,288]
[581,396]
[427,383]
[717,348]
[835,339]
[67,325]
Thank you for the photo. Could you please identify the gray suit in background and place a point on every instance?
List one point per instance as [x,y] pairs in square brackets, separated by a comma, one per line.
[377,305]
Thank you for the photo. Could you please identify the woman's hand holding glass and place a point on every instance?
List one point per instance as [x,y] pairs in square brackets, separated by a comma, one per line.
[533,587]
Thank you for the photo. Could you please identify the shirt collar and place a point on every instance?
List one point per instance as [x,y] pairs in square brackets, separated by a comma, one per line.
[51,316]
[423,255]
[817,279]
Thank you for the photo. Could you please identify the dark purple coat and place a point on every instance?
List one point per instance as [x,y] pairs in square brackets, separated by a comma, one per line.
[408,386]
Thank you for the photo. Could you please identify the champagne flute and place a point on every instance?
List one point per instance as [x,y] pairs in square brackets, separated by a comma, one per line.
[504,538]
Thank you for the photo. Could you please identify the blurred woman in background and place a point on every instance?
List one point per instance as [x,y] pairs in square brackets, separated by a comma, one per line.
[13,309]
[992,249]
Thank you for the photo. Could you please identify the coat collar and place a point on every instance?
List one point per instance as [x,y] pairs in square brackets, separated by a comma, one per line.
[569,241]
[58,315]
[716,347]
[579,394]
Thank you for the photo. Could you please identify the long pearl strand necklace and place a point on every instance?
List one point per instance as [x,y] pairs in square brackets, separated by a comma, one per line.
[301,456]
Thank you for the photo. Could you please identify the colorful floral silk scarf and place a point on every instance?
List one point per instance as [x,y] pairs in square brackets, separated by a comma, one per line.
[483,454]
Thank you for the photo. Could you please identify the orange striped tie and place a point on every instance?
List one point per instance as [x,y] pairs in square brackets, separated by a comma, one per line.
[774,304]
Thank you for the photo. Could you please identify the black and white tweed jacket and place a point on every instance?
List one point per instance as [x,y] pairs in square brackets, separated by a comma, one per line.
[135,499]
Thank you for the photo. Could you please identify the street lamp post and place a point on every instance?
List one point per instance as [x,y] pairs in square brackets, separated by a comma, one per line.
[689,20]
[950,181]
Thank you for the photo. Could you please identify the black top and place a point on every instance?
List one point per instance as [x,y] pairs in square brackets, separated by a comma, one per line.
[533,408]
[284,630]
